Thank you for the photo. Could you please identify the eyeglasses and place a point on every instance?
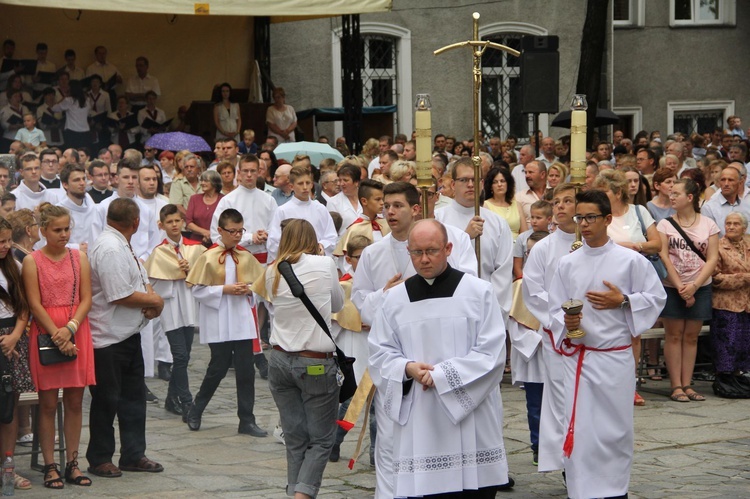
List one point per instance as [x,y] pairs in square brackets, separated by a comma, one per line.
[589,218]
[465,180]
[428,252]
[50,162]
[234,232]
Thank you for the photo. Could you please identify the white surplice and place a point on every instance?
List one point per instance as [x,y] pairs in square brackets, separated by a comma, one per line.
[224,317]
[496,246]
[146,237]
[599,465]
[313,212]
[28,199]
[537,277]
[449,437]
[527,365]
[257,210]
[378,263]
[82,220]
[341,205]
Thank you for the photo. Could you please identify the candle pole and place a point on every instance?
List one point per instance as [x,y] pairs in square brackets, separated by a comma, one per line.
[423,129]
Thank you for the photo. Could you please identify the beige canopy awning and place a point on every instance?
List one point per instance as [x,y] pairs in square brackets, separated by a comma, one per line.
[283,8]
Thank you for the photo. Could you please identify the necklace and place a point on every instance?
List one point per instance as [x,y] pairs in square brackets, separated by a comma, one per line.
[679,220]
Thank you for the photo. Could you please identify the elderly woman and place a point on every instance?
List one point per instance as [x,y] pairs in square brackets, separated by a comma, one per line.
[402,171]
[730,325]
[201,206]
[632,229]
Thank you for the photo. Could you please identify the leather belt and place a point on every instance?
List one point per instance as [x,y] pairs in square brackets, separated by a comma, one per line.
[307,353]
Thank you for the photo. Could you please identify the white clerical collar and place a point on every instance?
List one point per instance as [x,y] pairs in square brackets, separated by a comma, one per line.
[461,208]
[299,202]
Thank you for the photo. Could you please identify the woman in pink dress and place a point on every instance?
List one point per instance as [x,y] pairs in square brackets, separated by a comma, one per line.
[58,288]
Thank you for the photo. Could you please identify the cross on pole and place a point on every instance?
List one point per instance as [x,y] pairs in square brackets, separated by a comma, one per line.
[477,47]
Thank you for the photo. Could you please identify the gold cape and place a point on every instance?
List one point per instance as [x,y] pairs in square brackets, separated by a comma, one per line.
[163,263]
[519,311]
[360,227]
[209,269]
[348,317]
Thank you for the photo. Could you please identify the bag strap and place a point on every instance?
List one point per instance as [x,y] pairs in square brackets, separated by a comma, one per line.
[687,239]
[298,290]
[640,220]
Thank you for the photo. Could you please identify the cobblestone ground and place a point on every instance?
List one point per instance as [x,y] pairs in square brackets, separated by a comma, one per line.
[688,450]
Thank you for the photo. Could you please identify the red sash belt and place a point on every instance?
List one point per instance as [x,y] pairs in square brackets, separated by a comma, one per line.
[261,257]
[581,350]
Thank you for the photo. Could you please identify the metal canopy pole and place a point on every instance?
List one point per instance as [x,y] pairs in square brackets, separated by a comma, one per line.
[351,84]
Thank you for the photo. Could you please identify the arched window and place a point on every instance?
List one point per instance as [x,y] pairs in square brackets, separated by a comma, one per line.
[386,71]
[501,84]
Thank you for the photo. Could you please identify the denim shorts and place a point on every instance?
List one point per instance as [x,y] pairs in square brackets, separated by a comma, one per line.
[676,309]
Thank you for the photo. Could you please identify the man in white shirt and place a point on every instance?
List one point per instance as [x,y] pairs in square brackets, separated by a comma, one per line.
[101,67]
[256,206]
[80,205]
[330,183]
[496,240]
[152,113]
[74,72]
[548,152]
[122,304]
[525,156]
[30,193]
[536,179]
[142,82]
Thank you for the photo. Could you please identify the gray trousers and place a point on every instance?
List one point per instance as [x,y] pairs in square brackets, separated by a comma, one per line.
[307,406]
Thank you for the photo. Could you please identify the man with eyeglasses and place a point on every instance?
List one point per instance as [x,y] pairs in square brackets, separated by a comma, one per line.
[99,175]
[382,266]
[496,241]
[30,193]
[50,165]
[619,302]
[441,329]
[256,206]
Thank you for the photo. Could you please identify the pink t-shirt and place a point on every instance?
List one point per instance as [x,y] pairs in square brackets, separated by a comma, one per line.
[687,264]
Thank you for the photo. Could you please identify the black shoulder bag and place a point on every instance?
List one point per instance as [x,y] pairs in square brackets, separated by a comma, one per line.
[687,239]
[7,396]
[346,364]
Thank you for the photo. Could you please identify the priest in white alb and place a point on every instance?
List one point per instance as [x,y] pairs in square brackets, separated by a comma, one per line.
[80,205]
[438,348]
[622,297]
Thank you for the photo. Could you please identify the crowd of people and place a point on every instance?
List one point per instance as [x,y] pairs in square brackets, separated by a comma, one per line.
[113,261]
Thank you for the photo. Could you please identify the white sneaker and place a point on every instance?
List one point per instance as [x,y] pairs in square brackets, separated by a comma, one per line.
[26,440]
[278,434]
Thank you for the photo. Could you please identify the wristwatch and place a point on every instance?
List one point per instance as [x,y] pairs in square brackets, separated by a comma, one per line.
[625,302]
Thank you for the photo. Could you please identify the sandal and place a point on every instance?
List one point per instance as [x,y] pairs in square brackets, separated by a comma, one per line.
[21,483]
[654,372]
[49,482]
[70,468]
[694,396]
[143,464]
[638,400]
[679,397]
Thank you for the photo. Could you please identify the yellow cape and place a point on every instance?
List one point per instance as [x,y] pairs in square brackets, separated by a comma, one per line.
[163,263]
[209,269]
[360,228]
[348,317]
[519,311]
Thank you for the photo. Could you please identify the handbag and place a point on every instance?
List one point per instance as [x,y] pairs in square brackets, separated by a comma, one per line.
[7,396]
[49,353]
[346,364]
[655,260]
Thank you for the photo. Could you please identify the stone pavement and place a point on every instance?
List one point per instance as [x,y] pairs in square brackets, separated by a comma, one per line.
[688,450]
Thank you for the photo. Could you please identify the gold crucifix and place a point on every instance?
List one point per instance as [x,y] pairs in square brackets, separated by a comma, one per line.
[477,50]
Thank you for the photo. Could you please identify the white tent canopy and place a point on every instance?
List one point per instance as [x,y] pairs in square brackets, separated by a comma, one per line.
[219,7]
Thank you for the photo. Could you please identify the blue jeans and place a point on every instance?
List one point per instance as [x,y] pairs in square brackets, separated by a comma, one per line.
[180,343]
[307,406]
[534,410]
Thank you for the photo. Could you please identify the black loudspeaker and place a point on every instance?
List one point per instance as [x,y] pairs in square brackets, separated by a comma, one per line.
[540,74]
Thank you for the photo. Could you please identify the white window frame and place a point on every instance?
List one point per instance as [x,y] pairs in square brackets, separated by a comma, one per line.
[502,28]
[637,15]
[727,16]
[404,96]
[635,111]
[676,106]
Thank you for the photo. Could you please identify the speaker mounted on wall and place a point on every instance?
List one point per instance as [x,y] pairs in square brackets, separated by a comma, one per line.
[540,74]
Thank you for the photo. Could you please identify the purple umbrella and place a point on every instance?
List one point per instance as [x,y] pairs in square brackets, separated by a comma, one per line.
[178,141]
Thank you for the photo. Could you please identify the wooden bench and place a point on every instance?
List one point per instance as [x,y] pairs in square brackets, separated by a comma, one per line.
[32,399]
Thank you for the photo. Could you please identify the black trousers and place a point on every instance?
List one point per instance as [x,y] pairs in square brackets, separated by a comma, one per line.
[222,354]
[119,391]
